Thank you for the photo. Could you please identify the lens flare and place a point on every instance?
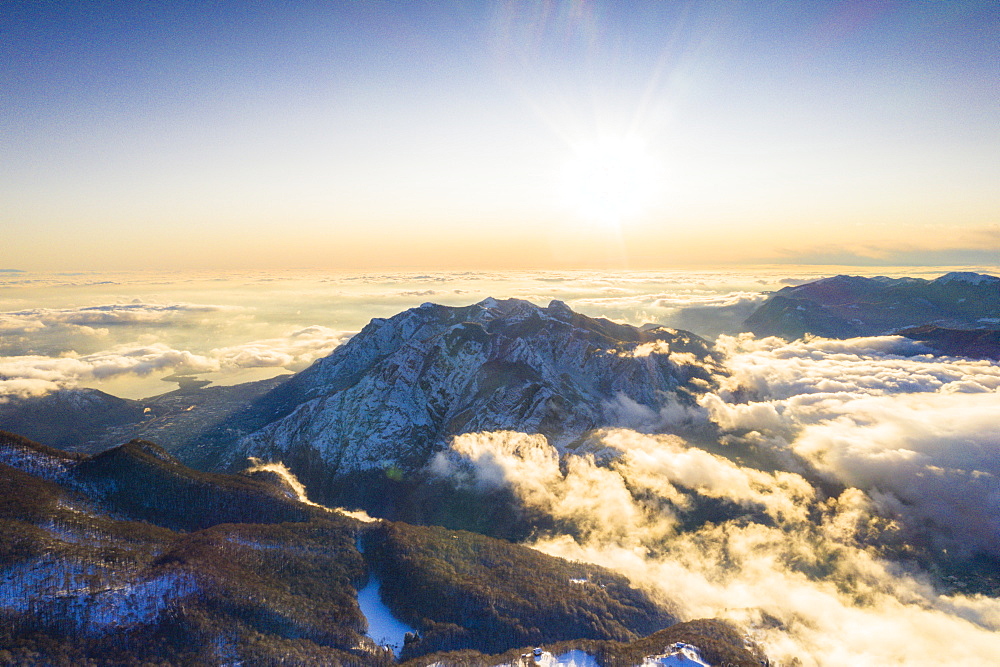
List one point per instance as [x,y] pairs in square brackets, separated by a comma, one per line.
[609,181]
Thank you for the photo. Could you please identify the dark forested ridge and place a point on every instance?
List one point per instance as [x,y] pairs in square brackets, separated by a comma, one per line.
[499,594]
[130,557]
[85,581]
[90,421]
[974,343]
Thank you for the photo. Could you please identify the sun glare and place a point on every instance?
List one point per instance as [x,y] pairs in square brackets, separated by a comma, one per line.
[609,181]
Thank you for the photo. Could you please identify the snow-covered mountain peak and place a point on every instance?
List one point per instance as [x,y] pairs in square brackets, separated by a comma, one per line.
[397,391]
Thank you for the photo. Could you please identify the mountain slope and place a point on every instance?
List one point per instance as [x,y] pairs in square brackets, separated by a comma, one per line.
[141,479]
[975,343]
[88,420]
[83,582]
[848,306]
[91,575]
[498,594]
[398,390]
[71,418]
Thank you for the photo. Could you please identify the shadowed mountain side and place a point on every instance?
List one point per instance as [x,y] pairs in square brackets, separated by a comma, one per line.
[72,419]
[849,306]
[974,343]
[142,480]
[89,420]
[499,595]
[82,582]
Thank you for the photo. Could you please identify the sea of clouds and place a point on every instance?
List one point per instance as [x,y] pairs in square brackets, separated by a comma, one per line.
[850,474]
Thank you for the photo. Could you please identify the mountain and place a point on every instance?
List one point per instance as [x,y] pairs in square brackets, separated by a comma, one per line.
[500,595]
[129,557]
[91,574]
[849,306]
[975,343]
[397,391]
[73,419]
[89,420]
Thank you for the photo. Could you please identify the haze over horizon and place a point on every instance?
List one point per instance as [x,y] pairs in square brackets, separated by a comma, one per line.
[501,135]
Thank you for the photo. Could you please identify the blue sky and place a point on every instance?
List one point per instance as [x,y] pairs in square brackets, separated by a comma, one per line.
[437,134]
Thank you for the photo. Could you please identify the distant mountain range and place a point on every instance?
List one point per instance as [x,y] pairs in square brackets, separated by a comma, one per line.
[90,420]
[850,306]
[129,556]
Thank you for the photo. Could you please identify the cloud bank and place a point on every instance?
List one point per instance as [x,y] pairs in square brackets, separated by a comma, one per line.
[919,433]
[803,570]
[36,375]
[851,486]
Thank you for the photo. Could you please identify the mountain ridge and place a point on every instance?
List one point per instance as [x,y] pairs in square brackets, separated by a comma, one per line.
[845,306]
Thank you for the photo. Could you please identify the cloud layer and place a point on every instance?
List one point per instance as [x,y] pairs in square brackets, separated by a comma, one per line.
[803,570]
[844,474]
[920,433]
[36,375]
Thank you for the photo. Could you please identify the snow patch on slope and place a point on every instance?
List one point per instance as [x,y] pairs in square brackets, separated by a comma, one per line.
[679,655]
[88,594]
[571,659]
[32,462]
[383,627]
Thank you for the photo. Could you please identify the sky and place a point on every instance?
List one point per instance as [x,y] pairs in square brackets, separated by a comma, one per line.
[498,135]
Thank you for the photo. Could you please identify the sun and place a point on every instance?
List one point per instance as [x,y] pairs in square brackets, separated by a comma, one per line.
[609,181]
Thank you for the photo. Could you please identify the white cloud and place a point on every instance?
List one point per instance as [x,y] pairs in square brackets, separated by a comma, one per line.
[106,315]
[776,369]
[669,413]
[294,352]
[906,428]
[807,580]
[34,375]
[53,331]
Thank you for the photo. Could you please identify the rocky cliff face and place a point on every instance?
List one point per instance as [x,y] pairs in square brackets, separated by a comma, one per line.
[400,388]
